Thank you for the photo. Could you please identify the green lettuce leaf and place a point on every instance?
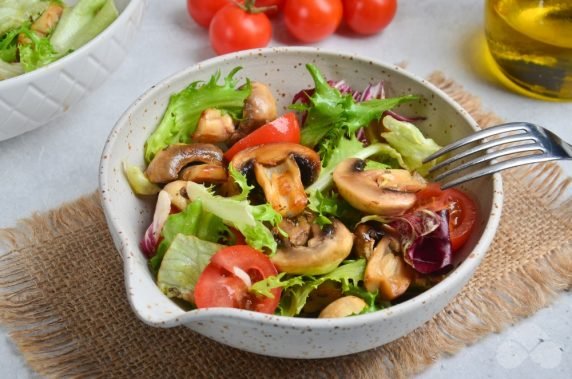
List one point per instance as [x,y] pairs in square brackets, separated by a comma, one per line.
[408,140]
[297,289]
[184,110]
[240,214]
[9,44]
[192,221]
[38,53]
[182,265]
[138,182]
[81,23]
[9,70]
[332,115]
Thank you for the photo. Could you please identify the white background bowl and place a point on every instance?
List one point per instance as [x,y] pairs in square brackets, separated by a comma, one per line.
[283,69]
[33,99]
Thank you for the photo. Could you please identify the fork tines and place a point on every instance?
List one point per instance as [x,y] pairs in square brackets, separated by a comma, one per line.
[524,144]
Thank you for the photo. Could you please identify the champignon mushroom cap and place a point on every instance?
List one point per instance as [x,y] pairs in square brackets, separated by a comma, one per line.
[385,192]
[282,170]
[343,307]
[323,253]
[168,163]
[204,173]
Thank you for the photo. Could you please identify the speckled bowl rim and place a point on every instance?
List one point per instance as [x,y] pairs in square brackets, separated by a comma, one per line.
[461,274]
[129,9]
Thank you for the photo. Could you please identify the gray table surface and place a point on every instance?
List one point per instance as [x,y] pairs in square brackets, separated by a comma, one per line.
[59,162]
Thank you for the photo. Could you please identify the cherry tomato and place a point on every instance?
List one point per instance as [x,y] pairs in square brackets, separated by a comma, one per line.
[267,3]
[369,16]
[234,29]
[202,11]
[220,286]
[312,20]
[462,211]
[284,129]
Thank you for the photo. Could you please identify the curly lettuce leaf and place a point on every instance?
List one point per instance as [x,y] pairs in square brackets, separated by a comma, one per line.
[194,220]
[332,115]
[240,214]
[184,110]
[297,289]
[38,53]
[81,23]
[409,142]
[182,265]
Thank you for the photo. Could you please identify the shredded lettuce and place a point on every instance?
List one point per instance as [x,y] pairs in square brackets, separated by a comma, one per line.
[81,23]
[298,288]
[192,221]
[182,265]
[38,53]
[408,140]
[14,13]
[184,110]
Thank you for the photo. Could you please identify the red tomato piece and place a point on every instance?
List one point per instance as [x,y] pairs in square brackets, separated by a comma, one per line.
[462,211]
[312,20]
[220,286]
[284,129]
[369,16]
[203,11]
[234,29]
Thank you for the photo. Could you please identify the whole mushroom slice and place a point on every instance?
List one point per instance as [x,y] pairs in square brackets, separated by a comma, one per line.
[259,109]
[387,272]
[169,162]
[325,250]
[343,307]
[384,192]
[282,170]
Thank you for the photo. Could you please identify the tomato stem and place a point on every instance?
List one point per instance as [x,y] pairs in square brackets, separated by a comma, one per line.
[249,6]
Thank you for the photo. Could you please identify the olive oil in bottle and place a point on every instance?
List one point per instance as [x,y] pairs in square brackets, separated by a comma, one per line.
[531,42]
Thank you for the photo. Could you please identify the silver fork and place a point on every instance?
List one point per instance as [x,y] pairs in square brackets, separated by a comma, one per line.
[540,145]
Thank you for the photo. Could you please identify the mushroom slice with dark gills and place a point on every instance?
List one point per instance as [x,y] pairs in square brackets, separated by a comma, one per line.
[259,109]
[282,170]
[168,163]
[367,235]
[325,250]
[384,192]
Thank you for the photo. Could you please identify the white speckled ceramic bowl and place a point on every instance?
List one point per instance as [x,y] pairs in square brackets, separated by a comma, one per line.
[33,99]
[283,69]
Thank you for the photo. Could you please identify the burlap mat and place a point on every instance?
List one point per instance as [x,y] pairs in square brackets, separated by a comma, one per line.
[62,296]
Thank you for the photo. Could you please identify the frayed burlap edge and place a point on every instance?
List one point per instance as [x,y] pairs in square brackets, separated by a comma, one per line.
[50,350]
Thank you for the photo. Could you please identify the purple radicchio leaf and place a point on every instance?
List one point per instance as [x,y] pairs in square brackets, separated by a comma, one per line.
[150,240]
[425,241]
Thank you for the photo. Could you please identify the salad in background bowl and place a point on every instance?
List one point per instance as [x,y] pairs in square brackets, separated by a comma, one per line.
[318,209]
[53,53]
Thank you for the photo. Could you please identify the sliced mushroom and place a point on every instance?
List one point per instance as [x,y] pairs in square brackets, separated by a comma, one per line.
[319,298]
[259,109]
[297,228]
[214,126]
[343,307]
[367,236]
[387,192]
[387,272]
[177,192]
[204,173]
[168,163]
[282,170]
[326,249]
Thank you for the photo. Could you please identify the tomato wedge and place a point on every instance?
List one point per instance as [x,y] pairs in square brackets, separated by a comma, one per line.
[462,211]
[224,282]
[284,129]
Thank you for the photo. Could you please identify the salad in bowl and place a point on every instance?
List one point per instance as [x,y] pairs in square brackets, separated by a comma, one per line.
[275,200]
[320,211]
